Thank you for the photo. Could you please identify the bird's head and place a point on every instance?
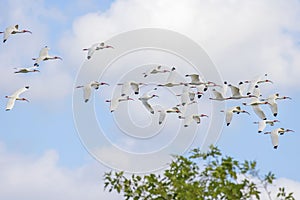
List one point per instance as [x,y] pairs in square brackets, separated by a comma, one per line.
[36,70]
[289,130]
[26,31]
[204,115]
[57,57]
[285,97]
[155,95]
[276,120]
[109,47]
[268,81]
[103,83]
[24,99]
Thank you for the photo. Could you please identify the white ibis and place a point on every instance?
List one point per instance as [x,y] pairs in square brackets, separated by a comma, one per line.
[183,109]
[174,109]
[16,96]
[12,30]
[275,135]
[171,79]
[237,93]
[125,90]
[87,89]
[162,116]
[195,80]
[44,55]
[163,112]
[273,104]
[263,123]
[155,70]
[194,117]
[95,47]
[114,103]
[257,80]
[26,69]
[255,103]
[229,113]
[145,98]
[218,96]
[186,96]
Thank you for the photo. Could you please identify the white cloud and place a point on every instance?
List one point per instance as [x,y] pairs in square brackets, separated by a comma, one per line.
[27,177]
[252,36]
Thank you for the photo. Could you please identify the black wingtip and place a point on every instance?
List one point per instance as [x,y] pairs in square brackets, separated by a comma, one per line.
[248,93]
[27,87]
[275,114]
[259,131]
[7,109]
[4,41]
[275,147]
[86,100]
[265,118]
[185,125]
[136,93]
[152,112]
[227,124]
[199,96]
[205,89]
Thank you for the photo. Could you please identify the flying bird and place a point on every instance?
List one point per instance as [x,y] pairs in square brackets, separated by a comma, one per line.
[95,47]
[275,135]
[126,86]
[43,56]
[87,89]
[114,103]
[155,70]
[237,92]
[171,79]
[145,98]
[218,96]
[194,117]
[257,80]
[229,113]
[12,30]
[255,104]
[273,104]
[186,96]
[26,70]
[163,112]
[15,96]
[263,123]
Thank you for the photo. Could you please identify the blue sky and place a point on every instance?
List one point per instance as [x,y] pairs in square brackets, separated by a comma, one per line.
[243,39]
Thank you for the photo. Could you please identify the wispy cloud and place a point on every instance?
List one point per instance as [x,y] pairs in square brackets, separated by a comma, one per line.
[27,177]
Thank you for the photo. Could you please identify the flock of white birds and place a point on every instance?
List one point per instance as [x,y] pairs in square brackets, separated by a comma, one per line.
[192,91]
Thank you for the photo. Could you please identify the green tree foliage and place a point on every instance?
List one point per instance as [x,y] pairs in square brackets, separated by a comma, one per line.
[219,177]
